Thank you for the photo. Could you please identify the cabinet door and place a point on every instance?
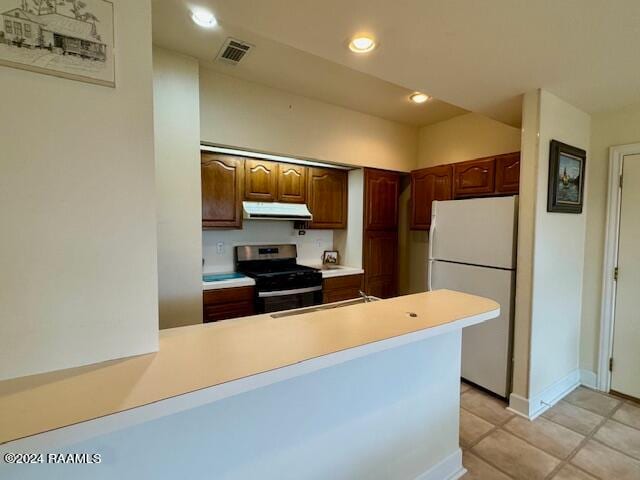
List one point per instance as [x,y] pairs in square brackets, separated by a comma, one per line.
[292,183]
[222,178]
[427,185]
[380,263]
[508,173]
[382,192]
[474,178]
[327,198]
[260,180]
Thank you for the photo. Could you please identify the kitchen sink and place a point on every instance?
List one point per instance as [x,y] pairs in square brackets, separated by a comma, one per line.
[328,306]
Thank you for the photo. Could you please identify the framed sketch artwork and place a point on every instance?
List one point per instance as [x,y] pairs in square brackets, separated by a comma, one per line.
[566,178]
[67,38]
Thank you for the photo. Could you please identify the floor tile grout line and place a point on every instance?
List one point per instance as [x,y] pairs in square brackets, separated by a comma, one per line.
[563,462]
[581,445]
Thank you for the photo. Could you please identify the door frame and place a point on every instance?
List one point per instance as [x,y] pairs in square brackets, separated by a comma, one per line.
[614,204]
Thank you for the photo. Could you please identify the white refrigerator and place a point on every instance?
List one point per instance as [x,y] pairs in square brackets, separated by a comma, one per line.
[472,249]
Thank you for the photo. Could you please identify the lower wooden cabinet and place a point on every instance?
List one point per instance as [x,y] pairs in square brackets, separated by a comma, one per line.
[380,258]
[337,289]
[225,303]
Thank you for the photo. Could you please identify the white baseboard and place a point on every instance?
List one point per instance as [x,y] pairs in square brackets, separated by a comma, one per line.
[589,379]
[450,468]
[535,406]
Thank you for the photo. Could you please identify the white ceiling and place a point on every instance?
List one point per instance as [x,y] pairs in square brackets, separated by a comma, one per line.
[480,55]
[287,68]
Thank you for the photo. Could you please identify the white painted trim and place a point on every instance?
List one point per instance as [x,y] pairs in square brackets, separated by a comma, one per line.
[450,468]
[531,408]
[269,156]
[71,434]
[607,316]
[589,379]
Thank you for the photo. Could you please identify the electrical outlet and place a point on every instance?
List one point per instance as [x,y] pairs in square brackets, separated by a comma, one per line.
[220,248]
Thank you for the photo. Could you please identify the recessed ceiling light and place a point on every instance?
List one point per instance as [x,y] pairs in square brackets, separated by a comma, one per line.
[419,97]
[362,44]
[204,18]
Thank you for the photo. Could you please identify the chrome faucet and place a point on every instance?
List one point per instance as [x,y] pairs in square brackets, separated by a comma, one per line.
[365,297]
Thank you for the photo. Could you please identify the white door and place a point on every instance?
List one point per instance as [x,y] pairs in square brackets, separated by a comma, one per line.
[479,231]
[625,376]
[486,347]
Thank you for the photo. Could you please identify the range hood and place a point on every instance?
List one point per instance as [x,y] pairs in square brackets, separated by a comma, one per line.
[276,211]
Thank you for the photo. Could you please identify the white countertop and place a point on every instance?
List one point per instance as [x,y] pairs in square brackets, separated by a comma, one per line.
[338,271]
[214,355]
[231,283]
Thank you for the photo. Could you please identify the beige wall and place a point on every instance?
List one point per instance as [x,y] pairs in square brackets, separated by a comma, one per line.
[608,129]
[464,138]
[243,114]
[550,261]
[558,256]
[78,279]
[177,140]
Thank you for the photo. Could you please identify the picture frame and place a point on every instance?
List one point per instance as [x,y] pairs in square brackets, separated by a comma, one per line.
[330,257]
[567,166]
[71,39]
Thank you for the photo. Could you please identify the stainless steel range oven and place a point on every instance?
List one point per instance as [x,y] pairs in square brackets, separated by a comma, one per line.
[281,284]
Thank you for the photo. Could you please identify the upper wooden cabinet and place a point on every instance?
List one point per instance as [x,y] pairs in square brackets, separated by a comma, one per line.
[261,180]
[508,173]
[427,185]
[327,197]
[382,194]
[222,178]
[473,178]
[292,183]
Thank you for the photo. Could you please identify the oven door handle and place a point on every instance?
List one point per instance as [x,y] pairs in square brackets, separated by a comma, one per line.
[295,291]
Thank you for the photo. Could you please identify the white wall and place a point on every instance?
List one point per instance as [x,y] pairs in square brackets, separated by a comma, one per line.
[558,256]
[239,113]
[349,241]
[78,277]
[177,149]
[262,232]
[607,129]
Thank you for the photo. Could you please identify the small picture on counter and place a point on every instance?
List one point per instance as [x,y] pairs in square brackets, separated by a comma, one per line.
[330,257]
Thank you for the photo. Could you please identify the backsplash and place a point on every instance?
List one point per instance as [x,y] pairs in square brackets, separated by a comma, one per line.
[217,245]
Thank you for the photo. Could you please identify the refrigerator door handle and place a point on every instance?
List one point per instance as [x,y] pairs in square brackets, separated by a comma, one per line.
[432,232]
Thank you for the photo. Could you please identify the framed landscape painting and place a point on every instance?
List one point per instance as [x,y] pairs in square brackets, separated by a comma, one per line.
[67,38]
[566,178]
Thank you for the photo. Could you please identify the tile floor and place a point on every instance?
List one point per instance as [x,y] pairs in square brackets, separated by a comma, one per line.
[586,436]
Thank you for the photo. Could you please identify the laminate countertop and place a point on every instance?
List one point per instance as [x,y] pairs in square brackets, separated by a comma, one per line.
[215,355]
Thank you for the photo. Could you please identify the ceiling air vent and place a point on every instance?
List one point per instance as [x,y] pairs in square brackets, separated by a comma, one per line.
[233,51]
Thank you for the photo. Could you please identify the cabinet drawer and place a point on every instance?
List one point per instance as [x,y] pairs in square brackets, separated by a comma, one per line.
[227,303]
[223,311]
[337,289]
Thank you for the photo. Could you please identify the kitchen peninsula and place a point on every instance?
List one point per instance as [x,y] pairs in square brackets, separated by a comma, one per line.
[364,391]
